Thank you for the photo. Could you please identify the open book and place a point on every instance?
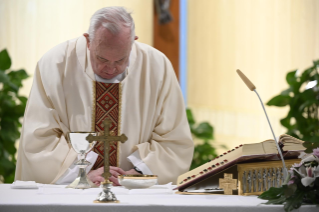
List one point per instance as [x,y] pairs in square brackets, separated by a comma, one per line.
[256,152]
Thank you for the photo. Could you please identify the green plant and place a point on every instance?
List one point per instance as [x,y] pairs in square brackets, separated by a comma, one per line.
[302,120]
[203,131]
[12,107]
[301,185]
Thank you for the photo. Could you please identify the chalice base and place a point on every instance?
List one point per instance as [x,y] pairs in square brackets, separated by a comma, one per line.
[106,196]
[82,181]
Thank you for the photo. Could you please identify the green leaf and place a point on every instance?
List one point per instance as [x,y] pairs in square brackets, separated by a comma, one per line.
[311,143]
[314,139]
[294,201]
[12,107]
[204,131]
[6,81]
[16,77]
[291,78]
[307,144]
[202,153]
[308,94]
[305,76]
[5,61]
[279,101]
[286,122]
[9,178]
[279,200]
[308,150]
[272,193]
[290,190]
[312,196]
[6,164]
[190,117]
[286,92]
[307,104]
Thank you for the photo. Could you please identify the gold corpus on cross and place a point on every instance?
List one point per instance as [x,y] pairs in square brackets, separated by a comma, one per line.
[106,139]
[228,184]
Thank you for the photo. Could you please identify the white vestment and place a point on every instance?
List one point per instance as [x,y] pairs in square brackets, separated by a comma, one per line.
[62,100]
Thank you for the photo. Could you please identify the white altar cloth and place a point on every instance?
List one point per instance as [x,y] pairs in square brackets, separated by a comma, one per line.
[54,198]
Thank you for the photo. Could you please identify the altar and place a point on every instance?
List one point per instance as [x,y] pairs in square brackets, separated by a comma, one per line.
[54,198]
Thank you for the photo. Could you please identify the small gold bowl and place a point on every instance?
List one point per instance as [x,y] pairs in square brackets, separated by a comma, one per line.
[137,181]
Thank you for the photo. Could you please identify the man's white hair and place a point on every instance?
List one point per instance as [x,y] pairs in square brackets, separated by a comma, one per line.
[112,18]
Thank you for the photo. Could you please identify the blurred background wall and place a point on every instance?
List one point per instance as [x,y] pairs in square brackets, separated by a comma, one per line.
[29,28]
[263,38]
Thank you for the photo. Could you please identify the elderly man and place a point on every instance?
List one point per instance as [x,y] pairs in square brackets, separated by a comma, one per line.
[105,73]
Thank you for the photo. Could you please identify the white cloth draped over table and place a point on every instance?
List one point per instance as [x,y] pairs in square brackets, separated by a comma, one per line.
[61,101]
[56,198]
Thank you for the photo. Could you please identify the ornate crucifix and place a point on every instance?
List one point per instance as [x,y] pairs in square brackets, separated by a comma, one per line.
[107,139]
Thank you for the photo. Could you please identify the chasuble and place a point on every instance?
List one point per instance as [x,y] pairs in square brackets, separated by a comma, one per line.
[63,99]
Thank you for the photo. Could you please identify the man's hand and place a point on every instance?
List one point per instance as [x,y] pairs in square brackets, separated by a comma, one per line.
[96,175]
[132,172]
[116,171]
[114,178]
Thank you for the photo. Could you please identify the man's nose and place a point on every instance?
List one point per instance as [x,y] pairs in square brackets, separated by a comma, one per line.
[110,69]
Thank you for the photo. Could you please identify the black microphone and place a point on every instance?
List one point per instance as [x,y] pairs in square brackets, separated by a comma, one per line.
[252,87]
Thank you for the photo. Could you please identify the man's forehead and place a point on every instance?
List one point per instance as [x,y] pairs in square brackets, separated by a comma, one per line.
[105,36]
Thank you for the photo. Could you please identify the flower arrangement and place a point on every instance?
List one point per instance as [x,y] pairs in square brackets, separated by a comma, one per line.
[301,185]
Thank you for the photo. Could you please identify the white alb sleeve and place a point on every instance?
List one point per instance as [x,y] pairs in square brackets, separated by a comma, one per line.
[136,160]
[72,172]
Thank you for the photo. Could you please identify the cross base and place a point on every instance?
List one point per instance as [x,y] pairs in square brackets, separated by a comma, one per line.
[106,196]
[97,201]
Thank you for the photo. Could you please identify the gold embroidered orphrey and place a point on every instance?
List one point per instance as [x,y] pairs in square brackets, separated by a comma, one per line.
[106,139]
[228,184]
[107,101]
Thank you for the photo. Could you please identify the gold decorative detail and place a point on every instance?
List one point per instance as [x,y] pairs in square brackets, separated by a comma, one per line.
[93,106]
[106,139]
[228,184]
[261,179]
[112,133]
[143,176]
[115,201]
[119,124]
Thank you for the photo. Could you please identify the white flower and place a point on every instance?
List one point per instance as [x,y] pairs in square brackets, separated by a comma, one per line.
[303,155]
[309,175]
[297,165]
[309,158]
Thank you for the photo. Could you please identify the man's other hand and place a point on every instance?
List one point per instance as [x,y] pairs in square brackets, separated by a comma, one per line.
[119,171]
[132,172]
[96,175]
[116,171]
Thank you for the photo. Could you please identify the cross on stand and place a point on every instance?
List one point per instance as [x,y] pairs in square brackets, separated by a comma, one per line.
[106,195]
[228,184]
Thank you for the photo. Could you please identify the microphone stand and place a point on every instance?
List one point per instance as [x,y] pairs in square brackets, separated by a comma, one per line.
[252,87]
[275,138]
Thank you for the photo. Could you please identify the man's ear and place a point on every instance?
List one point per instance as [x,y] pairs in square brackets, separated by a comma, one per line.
[136,37]
[86,35]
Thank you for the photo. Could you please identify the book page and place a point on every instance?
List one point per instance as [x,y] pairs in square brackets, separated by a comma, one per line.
[265,147]
[291,143]
[270,146]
